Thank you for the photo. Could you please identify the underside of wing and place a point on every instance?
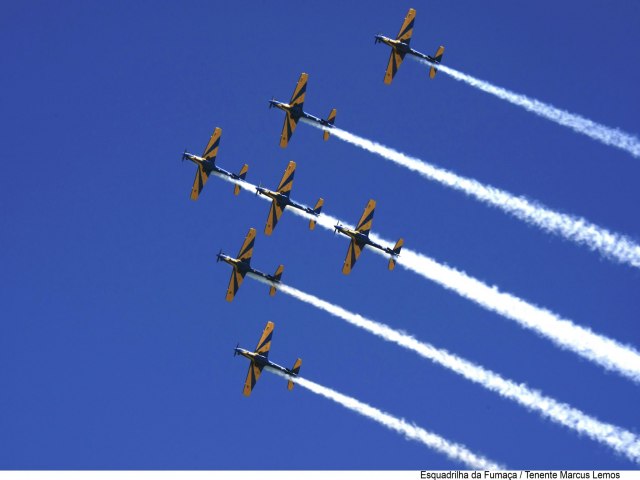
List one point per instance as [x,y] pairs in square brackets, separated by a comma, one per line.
[366,220]
[252,377]
[353,253]
[234,284]
[407,27]
[286,184]
[211,152]
[287,129]
[264,344]
[395,59]
[275,212]
[301,89]
[246,251]
[198,182]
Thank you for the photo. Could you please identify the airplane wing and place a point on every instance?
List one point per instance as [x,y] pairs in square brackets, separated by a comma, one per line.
[234,284]
[211,152]
[287,179]
[364,225]
[301,89]
[355,249]
[252,377]
[198,183]
[288,128]
[246,251]
[275,212]
[264,344]
[395,59]
[407,27]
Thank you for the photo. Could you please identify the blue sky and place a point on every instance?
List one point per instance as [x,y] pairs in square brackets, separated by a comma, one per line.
[116,345]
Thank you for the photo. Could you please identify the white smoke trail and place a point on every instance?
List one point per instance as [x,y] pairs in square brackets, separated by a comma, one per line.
[612,245]
[454,451]
[620,440]
[606,352]
[609,136]
[243,184]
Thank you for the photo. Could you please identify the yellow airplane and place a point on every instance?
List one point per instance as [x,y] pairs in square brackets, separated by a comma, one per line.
[242,266]
[400,47]
[360,238]
[207,166]
[294,112]
[260,359]
[280,200]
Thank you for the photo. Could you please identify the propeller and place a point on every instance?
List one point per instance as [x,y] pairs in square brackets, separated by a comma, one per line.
[218,256]
[184,155]
[335,228]
[271,102]
[235,350]
[258,188]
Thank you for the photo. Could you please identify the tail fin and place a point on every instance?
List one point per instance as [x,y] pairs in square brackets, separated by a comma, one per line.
[437,58]
[295,370]
[316,211]
[396,251]
[277,276]
[331,120]
[242,175]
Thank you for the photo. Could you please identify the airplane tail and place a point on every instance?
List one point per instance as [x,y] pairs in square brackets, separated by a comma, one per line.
[295,370]
[438,59]
[331,120]
[277,276]
[242,174]
[316,211]
[395,252]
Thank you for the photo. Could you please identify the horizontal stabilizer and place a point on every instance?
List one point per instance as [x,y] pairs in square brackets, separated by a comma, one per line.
[242,175]
[295,370]
[396,251]
[277,276]
[316,211]
[438,59]
[331,120]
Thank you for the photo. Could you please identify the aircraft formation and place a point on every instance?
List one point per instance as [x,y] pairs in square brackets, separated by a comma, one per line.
[281,199]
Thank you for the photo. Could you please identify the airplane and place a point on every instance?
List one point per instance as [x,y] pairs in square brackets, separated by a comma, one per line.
[260,359]
[360,238]
[400,47]
[294,112]
[280,200]
[242,266]
[207,165]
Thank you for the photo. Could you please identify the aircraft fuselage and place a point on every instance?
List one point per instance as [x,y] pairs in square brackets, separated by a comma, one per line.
[403,48]
[297,113]
[362,239]
[283,200]
[244,267]
[262,361]
[209,166]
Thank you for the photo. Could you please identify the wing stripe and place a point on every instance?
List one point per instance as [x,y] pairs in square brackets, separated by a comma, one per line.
[247,249]
[299,94]
[408,28]
[266,343]
[214,147]
[211,150]
[365,223]
[286,184]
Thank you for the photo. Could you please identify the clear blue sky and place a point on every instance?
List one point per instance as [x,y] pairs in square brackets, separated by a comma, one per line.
[116,341]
